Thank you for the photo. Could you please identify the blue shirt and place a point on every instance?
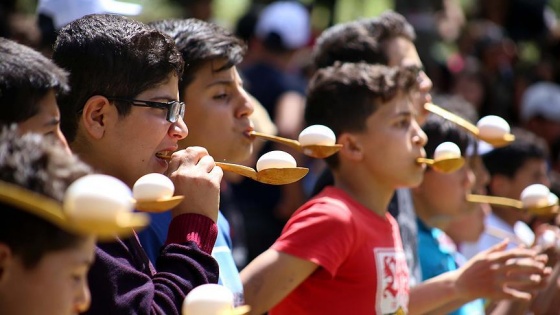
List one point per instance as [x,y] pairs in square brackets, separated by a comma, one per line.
[438,254]
[153,237]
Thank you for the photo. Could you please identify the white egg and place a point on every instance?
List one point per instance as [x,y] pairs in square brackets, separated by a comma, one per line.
[535,195]
[97,197]
[208,299]
[317,135]
[492,127]
[447,150]
[524,233]
[152,187]
[547,239]
[276,159]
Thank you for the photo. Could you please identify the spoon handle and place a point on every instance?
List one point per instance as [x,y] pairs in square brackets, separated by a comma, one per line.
[452,117]
[425,161]
[500,201]
[292,143]
[238,169]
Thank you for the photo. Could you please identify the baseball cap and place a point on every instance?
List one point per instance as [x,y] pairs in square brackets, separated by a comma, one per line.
[286,19]
[65,11]
[541,99]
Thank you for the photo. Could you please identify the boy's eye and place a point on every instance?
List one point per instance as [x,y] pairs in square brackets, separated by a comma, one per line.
[221,96]
[403,123]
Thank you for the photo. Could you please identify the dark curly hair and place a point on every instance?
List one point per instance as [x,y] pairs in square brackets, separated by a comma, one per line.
[200,42]
[361,40]
[111,55]
[39,164]
[343,96]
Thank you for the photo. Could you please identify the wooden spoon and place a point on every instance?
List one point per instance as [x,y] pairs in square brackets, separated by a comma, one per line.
[544,210]
[315,151]
[445,165]
[159,205]
[272,176]
[496,142]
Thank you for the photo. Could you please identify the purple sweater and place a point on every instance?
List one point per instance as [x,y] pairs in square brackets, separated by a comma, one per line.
[123,281]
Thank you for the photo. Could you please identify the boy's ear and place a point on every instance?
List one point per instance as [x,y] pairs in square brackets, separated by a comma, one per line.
[351,147]
[6,260]
[97,112]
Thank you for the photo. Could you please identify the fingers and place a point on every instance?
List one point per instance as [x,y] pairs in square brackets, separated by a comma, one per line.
[190,156]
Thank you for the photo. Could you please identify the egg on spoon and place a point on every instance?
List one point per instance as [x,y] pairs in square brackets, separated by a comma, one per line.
[97,198]
[275,159]
[447,150]
[211,299]
[536,195]
[317,135]
[153,186]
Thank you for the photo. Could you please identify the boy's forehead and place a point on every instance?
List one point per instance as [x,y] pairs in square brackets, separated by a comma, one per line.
[402,52]
[399,104]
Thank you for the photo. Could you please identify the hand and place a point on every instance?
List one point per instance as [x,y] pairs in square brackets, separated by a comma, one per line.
[196,177]
[499,274]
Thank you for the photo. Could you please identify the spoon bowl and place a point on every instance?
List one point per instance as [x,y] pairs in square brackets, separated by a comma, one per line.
[545,210]
[446,165]
[123,224]
[272,176]
[496,142]
[315,151]
[158,205]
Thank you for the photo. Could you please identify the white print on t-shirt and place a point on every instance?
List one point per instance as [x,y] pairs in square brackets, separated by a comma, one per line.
[392,281]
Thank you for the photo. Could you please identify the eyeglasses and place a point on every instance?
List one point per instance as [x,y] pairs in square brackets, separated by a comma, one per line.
[175,109]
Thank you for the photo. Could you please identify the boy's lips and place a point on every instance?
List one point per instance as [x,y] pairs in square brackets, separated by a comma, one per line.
[164,155]
[247,133]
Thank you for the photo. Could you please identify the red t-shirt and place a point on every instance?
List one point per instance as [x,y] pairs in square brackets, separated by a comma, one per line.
[362,265]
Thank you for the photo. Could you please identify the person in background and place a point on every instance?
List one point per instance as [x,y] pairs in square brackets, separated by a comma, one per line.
[276,83]
[218,120]
[29,83]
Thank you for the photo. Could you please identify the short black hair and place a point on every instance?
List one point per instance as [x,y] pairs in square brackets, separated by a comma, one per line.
[200,42]
[343,96]
[26,77]
[361,40]
[508,160]
[39,164]
[113,56]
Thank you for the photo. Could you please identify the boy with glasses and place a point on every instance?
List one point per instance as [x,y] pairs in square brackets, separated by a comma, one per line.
[116,63]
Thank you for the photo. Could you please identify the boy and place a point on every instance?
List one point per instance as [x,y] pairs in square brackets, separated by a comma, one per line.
[29,83]
[43,265]
[218,119]
[512,169]
[439,200]
[120,116]
[310,269]
[388,40]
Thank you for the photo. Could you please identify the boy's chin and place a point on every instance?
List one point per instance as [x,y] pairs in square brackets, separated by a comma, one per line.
[413,182]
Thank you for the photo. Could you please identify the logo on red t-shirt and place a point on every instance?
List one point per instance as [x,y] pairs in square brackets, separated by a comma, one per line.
[392,281]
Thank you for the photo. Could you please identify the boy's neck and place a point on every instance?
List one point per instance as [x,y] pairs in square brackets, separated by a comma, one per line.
[365,189]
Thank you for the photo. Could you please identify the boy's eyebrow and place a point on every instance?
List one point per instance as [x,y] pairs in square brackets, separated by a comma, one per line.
[220,82]
[406,113]
[53,122]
